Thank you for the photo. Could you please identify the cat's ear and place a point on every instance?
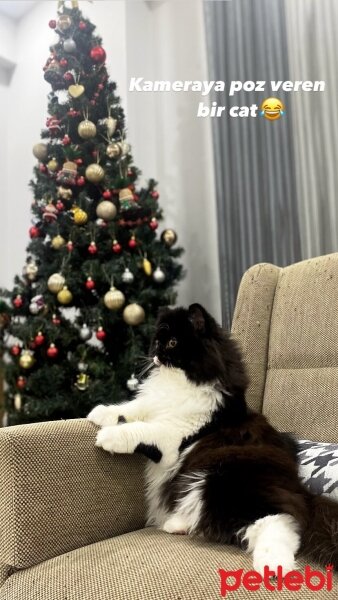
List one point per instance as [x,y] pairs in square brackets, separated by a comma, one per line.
[196,315]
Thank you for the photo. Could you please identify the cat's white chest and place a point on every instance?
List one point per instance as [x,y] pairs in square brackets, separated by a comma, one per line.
[167,395]
[182,408]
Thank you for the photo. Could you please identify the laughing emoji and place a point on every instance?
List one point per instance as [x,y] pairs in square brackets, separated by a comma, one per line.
[272,109]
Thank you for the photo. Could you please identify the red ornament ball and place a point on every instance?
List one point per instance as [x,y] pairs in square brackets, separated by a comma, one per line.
[15,350]
[80,181]
[98,54]
[52,351]
[21,382]
[60,205]
[155,195]
[132,243]
[56,320]
[63,62]
[52,24]
[92,248]
[78,161]
[153,224]
[100,87]
[107,194]
[101,334]
[66,140]
[42,168]
[18,301]
[34,232]
[90,283]
[39,339]
[70,246]
[116,247]
[68,77]
[82,25]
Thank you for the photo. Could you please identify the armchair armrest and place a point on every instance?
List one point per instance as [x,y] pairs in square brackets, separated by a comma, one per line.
[59,492]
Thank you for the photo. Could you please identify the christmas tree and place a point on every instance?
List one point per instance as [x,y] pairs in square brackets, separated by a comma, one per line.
[79,320]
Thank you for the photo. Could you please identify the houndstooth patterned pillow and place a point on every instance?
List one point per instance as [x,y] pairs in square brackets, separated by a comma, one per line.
[318,467]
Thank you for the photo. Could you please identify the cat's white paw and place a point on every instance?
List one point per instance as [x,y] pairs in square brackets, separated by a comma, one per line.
[113,439]
[175,524]
[273,555]
[104,415]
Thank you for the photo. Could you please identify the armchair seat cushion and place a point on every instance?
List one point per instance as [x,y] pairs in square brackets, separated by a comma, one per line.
[147,565]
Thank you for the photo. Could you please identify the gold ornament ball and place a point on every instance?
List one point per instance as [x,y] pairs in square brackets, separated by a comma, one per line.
[134,314]
[114,299]
[168,237]
[17,402]
[111,124]
[27,359]
[55,283]
[106,210]
[113,150]
[64,22]
[57,242]
[40,151]
[80,216]
[52,165]
[86,129]
[65,296]
[147,268]
[65,193]
[82,381]
[94,173]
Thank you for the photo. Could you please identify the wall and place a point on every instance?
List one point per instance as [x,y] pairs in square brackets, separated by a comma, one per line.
[169,143]
[26,44]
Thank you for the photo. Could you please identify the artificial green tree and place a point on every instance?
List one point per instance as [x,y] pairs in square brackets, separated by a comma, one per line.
[78,322]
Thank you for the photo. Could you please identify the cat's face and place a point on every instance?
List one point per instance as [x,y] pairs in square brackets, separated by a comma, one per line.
[179,337]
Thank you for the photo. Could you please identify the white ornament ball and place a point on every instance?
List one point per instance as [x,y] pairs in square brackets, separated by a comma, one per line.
[85,333]
[132,383]
[158,275]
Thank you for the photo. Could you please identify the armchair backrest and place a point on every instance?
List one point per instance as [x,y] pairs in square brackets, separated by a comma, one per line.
[286,321]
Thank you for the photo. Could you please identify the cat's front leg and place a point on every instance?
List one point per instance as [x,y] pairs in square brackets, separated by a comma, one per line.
[152,440]
[116,413]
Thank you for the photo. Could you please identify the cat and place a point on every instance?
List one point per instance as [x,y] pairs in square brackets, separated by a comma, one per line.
[215,467]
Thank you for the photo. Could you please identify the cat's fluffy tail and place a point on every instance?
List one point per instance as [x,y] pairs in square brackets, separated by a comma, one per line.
[320,537]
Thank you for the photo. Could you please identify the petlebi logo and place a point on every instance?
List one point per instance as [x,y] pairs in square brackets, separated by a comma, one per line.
[311,579]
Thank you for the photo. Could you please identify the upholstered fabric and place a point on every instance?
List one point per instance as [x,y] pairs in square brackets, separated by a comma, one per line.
[251,325]
[144,565]
[286,321]
[59,492]
[301,391]
[318,467]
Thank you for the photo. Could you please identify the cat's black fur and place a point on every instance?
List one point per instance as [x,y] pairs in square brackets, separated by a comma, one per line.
[251,468]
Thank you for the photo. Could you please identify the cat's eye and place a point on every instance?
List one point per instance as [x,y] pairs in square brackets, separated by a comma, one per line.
[172,343]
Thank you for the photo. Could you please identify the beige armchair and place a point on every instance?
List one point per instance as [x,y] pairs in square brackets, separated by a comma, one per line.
[72,517]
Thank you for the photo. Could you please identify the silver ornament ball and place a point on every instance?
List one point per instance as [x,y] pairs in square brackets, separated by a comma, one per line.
[69,45]
[127,276]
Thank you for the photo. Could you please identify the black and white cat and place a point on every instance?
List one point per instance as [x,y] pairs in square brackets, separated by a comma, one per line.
[216,468]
